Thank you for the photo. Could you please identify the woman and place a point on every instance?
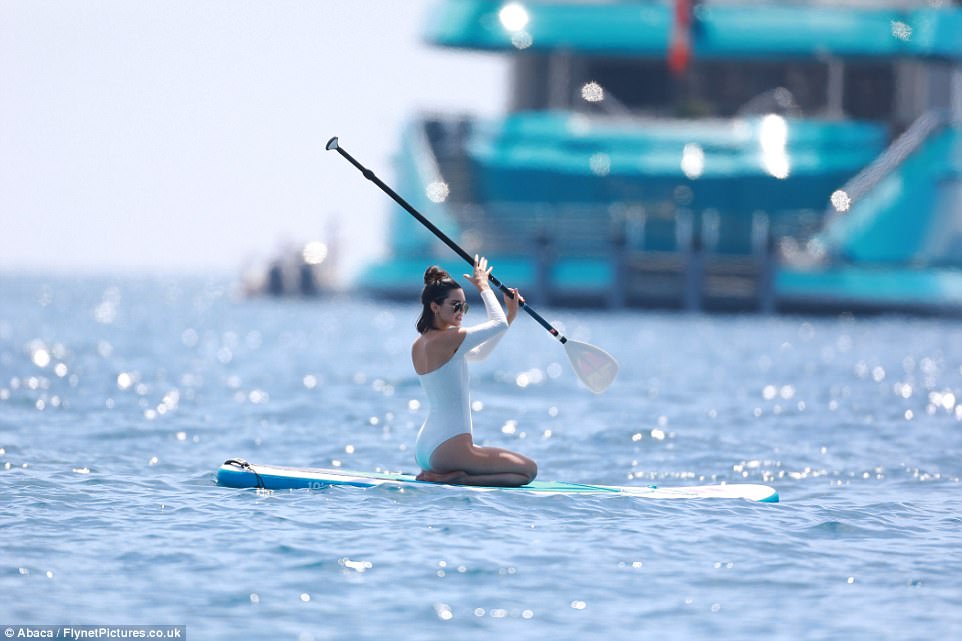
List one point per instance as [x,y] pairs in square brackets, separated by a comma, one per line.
[445,449]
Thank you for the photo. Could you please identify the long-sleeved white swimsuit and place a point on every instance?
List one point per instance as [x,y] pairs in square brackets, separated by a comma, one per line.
[449,399]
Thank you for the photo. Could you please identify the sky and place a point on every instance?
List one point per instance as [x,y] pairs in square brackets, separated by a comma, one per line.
[187,136]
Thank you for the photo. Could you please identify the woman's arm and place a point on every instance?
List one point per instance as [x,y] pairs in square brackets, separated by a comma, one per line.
[473,344]
[479,340]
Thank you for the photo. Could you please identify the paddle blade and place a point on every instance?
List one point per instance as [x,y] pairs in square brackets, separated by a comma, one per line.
[594,366]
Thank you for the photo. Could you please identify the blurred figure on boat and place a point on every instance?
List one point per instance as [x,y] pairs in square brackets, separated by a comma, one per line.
[296,269]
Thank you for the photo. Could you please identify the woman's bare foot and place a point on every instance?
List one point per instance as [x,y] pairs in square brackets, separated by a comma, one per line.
[437,477]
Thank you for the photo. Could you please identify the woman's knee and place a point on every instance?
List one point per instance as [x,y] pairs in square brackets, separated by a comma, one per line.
[522,465]
[531,470]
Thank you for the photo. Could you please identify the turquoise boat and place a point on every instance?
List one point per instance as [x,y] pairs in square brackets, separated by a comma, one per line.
[803,155]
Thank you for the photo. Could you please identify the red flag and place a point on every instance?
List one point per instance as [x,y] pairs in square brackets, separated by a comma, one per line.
[679,48]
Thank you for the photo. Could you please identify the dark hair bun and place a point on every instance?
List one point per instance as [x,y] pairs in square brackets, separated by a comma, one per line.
[434,275]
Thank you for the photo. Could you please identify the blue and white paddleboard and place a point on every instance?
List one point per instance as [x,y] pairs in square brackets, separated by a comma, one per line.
[240,473]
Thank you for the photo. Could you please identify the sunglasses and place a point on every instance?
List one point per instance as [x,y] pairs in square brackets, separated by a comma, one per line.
[459,306]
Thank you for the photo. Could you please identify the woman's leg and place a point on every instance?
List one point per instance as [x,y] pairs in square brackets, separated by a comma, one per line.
[458,460]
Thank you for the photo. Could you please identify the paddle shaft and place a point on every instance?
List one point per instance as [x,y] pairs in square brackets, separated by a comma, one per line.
[444,238]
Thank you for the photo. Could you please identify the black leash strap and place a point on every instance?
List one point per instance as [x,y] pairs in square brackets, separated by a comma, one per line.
[244,465]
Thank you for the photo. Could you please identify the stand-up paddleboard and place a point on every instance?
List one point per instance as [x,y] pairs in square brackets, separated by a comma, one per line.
[240,473]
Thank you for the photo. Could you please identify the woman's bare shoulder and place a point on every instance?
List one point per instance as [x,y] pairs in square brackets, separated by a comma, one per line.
[436,339]
[433,349]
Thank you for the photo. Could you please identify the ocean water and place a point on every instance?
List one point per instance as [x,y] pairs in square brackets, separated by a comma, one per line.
[119,398]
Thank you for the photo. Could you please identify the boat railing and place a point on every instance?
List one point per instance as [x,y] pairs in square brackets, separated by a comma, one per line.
[659,254]
[888,161]
[422,150]
[817,250]
[440,142]
[865,4]
[861,4]
[589,229]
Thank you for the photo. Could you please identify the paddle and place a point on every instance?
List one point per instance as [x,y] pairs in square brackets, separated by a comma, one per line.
[594,366]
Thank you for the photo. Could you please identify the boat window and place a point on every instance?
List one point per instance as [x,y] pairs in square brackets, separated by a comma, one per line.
[711,88]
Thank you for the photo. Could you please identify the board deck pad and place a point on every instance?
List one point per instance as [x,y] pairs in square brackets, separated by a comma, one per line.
[241,474]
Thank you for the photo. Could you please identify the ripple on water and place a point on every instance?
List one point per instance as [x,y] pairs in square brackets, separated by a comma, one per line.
[123,513]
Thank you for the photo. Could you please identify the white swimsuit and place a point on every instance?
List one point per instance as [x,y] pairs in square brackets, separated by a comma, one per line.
[449,413]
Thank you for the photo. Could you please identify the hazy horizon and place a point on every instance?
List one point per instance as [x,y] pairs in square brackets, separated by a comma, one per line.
[185,137]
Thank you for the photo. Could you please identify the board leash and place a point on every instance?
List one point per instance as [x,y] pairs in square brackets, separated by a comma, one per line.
[243,464]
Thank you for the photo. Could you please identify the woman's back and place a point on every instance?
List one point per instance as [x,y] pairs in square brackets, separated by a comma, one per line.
[433,349]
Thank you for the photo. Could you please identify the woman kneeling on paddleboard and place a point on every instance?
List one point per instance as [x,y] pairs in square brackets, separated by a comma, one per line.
[445,448]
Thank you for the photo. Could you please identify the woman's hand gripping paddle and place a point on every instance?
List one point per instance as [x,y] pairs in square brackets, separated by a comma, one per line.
[594,366]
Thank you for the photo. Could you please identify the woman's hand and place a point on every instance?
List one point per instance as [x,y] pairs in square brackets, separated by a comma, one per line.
[512,304]
[481,273]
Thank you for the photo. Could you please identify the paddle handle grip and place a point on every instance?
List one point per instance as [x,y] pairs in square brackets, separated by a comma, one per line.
[367,173]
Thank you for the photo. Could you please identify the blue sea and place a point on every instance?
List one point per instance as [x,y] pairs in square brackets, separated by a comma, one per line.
[119,399]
